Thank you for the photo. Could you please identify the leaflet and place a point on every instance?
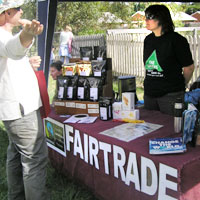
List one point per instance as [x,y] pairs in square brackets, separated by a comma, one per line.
[130,131]
[166,145]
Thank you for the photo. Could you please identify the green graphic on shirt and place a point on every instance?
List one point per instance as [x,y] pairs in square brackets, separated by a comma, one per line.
[152,63]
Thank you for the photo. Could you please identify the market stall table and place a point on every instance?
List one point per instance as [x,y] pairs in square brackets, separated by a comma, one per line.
[115,169]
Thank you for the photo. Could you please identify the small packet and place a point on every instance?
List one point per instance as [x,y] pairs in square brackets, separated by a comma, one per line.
[96,86]
[69,69]
[86,52]
[84,68]
[62,84]
[72,88]
[83,89]
[99,68]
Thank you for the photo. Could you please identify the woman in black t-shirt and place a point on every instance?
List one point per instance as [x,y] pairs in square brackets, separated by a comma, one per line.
[167,59]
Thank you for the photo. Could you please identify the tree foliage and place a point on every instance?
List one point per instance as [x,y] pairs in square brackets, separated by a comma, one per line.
[83,16]
[30,9]
[191,8]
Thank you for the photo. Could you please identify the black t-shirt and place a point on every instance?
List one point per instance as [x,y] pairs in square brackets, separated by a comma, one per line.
[164,58]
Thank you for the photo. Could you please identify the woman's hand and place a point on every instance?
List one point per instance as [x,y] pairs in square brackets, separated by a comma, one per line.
[35,62]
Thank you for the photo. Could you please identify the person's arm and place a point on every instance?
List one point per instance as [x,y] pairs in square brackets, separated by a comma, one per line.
[188,72]
[30,30]
[70,45]
[60,38]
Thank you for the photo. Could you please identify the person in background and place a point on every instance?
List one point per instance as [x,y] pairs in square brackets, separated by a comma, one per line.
[52,55]
[20,102]
[66,37]
[56,69]
[167,59]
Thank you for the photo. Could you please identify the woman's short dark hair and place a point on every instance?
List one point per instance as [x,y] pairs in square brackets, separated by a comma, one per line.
[57,64]
[162,14]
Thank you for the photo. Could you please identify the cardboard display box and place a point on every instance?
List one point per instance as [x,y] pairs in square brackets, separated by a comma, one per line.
[67,107]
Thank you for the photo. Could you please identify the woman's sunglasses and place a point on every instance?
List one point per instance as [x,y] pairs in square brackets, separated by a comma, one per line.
[150,16]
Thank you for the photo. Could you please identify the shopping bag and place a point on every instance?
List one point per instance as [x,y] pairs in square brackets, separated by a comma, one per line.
[45,109]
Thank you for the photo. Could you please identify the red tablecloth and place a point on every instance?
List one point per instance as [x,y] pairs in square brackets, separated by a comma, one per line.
[107,186]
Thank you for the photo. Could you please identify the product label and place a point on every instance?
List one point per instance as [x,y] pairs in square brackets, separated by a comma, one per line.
[97,73]
[103,113]
[93,111]
[81,105]
[70,92]
[59,103]
[81,92]
[94,94]
[96,106]
[82,73]
[68,73]
[70,104]
[178,106]
[60,92]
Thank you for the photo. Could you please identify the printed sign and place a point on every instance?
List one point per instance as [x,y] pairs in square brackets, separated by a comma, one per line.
[54,131]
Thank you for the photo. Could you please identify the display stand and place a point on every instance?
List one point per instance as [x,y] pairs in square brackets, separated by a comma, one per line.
[86,107]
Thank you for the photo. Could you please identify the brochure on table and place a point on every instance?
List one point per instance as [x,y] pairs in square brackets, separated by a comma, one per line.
[166,145]
[130,131]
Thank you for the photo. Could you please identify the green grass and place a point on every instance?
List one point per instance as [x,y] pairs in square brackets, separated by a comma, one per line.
[59,187]
[3,147]
[65,188]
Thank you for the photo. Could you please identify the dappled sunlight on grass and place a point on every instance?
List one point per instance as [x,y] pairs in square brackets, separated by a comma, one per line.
[3,149]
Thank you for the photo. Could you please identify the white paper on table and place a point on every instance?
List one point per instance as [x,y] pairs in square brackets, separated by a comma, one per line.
[72,119]
[67,116]
[88,120]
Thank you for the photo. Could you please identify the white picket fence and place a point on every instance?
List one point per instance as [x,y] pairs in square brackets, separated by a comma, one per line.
[126,51]
[125,47]
[194,42]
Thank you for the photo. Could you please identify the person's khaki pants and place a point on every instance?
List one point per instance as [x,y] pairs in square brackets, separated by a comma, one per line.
[27,157]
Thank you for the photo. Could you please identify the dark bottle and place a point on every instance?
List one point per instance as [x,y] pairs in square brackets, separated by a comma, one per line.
[105,108]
